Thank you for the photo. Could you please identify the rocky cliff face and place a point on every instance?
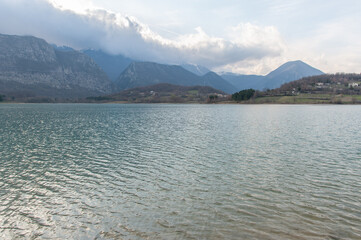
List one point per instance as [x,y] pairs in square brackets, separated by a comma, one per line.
[31,64]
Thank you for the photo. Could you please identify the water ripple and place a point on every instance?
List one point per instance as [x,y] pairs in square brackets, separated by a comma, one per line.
[76,171]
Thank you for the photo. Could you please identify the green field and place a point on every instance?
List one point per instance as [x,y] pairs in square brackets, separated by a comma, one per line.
[308,99]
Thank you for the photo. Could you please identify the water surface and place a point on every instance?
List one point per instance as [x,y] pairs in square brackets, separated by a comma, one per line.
[78,171]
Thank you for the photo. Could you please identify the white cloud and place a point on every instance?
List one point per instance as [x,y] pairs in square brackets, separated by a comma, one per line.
[333,47]
[79,6]
[119,34]
[256,66]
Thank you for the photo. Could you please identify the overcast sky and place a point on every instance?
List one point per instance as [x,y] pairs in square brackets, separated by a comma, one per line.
[252,37]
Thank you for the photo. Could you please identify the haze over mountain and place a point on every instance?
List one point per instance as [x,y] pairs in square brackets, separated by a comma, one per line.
[32,67]
[147,73]
[113,65]
[288,72]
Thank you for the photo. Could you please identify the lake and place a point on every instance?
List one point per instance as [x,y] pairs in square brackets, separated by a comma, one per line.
[161,171]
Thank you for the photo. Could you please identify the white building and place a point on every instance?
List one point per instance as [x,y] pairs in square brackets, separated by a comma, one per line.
[353,85]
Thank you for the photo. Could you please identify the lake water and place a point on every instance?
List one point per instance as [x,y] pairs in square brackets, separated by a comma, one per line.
[79,171]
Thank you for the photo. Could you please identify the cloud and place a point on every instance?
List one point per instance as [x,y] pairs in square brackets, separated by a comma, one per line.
[333,46]
[120,34]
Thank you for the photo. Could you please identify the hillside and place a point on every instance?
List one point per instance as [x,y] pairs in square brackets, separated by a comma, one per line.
[349,84]
[165,93]
[287,72]
[147,73]
[327,88]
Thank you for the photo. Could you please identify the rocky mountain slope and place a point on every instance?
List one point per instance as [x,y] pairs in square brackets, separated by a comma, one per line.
[30,66]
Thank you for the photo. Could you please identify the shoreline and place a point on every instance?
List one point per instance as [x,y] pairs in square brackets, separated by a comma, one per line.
[185,103]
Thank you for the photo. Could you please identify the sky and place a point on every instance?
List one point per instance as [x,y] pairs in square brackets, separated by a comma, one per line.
[240,36]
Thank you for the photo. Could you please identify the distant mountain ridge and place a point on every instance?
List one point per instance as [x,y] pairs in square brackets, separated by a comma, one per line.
[30,66]
[140,74]
[287,72]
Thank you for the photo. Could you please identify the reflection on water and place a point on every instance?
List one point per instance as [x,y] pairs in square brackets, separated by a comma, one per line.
[75,171]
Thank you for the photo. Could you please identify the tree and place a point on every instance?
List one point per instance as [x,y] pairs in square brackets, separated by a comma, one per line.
[212,98]
[243,95]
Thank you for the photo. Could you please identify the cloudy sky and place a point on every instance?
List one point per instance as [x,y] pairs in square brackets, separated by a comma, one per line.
[252,37]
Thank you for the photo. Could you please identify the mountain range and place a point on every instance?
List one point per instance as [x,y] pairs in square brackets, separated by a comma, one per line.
[115,65]
[30,67]
[140,74]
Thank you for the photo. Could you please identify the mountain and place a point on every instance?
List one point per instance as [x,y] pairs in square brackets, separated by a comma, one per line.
[113,65]
[165,93]
[140,74]
[29,66]
[196,69]
[288,72]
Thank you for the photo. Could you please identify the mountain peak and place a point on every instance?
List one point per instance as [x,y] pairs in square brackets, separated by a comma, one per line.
[290,71]
[297,67]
